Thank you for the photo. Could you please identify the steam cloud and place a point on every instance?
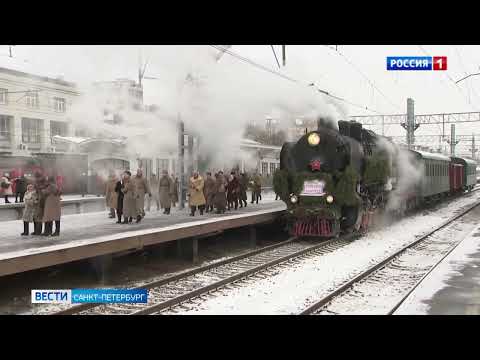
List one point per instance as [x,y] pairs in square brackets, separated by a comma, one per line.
[407,176]
[216,100]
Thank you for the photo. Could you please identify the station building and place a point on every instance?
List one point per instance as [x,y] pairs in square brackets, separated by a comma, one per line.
[37,132]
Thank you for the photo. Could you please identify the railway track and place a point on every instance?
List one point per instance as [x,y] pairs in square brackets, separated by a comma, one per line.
[168,294]
[382,288]
[175,290]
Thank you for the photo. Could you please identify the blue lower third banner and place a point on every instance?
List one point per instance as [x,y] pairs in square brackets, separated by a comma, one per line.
[99,296]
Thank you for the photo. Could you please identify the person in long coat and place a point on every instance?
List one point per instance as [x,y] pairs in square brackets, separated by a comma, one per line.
[32,200]
[5,188]
[209,191]
[232,191]
[119,193]
[243,186]
[175,191]
[256,188]
[197,199]
[154,188]
[141,188]
[111,196]
[52,208]
[129,198]
[166,189]
[20,187]
[220,200]
[40,184]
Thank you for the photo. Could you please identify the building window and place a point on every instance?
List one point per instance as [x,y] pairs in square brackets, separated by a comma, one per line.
[5,127]
[3,96]
[59,128]
[32,99]
[273,167]
[264,168]
[31,130]
[60,104]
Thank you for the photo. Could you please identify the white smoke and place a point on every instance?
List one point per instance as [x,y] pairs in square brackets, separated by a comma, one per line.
[215,99]
[407,174]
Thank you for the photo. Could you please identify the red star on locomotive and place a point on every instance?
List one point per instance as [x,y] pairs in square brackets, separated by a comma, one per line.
[315,165]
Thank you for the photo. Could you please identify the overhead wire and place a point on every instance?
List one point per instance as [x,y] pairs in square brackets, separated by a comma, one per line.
[372,84]
[265,68]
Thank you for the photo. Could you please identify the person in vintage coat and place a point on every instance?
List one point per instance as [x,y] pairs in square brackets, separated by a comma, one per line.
[166,189]
[6,188]
[220,199]
[256,188]
[20,187]
[209,191]
[232,191]
[52,208]
[243,186]
[175,191]
[197,199]
[111,196]
[129,198]
[119,193]
[141,188]
[154,188]
[40,184]
[32,200]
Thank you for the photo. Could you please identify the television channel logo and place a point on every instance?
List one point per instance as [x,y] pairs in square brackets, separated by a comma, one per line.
[416,63]
[95,296]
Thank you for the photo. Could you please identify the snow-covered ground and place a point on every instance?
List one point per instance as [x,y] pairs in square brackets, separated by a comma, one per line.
[291,290]
[451,266]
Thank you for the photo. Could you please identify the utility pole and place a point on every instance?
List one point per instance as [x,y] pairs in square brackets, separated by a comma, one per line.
[190,156]
[410,125]
[180,162]
[474,150]
[452,140]
[284,55]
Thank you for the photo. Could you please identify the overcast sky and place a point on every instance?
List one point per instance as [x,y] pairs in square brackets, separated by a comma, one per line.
[432,91]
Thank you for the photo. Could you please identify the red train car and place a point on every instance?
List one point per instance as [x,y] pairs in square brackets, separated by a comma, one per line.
[456,177]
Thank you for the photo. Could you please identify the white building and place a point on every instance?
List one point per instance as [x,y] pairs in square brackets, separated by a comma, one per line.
[32,110]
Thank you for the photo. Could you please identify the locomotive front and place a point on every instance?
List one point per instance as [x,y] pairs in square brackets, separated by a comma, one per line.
[317,180]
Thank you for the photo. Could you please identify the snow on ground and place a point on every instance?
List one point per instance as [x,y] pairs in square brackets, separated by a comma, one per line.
[291,290]
[415,304]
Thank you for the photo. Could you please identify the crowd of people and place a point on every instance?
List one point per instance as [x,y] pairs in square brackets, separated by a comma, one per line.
[125,197]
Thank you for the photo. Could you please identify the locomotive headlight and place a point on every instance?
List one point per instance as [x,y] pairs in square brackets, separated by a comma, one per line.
[313,139]
[329,199]
[293,199]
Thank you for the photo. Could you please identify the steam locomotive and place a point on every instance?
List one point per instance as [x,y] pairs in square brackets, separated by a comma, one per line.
[339,180]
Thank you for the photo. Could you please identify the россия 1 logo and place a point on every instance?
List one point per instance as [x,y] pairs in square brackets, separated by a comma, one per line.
[416,63]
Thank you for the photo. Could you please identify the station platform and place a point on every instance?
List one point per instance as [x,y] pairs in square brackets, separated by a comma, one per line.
[453,287]
[91,235]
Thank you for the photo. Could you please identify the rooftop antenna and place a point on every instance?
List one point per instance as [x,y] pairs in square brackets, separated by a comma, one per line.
[10,50]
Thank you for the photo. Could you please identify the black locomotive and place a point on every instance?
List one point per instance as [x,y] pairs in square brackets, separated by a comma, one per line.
[338,180]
